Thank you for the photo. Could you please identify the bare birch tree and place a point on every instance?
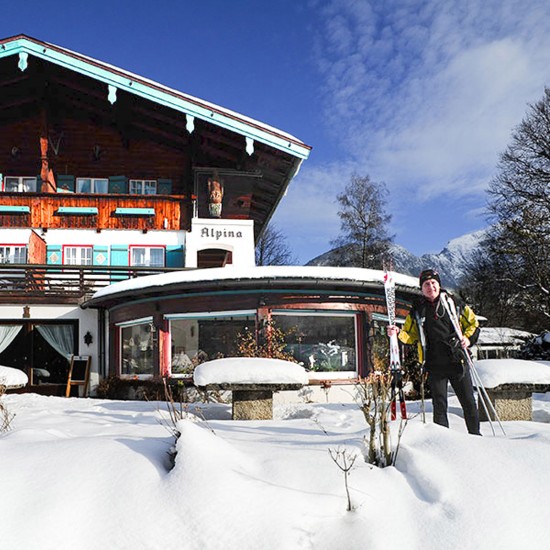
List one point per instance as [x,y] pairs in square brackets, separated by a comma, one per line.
[364,240]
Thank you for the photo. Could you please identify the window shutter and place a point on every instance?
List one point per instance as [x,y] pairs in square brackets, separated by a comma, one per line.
[65,184]
[119,254]
[174,256]
[118,185]
[164,187]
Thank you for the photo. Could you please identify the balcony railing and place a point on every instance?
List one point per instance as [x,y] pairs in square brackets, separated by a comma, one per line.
[63,283]
[93,211]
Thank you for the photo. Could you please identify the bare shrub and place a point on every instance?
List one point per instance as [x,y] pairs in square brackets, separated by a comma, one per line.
[345,460]
[5,416]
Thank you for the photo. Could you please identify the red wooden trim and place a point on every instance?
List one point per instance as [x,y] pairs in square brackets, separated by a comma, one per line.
[165,349]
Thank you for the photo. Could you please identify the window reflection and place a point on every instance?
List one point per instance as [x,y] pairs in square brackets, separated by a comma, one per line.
[201,339]
[137,349]
[322,343]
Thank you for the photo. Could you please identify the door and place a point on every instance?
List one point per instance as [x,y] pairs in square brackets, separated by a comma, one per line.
[31,353]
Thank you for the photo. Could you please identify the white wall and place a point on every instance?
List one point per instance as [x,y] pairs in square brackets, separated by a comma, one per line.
[109,237]
[236,236]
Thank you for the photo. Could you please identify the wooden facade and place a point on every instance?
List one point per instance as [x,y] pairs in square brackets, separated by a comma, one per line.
[63,115]
[67,210]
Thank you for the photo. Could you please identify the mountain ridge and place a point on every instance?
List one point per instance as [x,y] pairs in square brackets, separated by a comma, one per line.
[450,262]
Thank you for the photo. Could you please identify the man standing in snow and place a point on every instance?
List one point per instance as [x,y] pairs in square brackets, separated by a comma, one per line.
[429,325]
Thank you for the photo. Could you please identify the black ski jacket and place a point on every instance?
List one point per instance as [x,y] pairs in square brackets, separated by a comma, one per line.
[429,326]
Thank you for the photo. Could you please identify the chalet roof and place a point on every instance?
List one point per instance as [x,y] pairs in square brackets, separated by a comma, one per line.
[117,79]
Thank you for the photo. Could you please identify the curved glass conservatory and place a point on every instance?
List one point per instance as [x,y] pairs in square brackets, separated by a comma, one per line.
[332,319]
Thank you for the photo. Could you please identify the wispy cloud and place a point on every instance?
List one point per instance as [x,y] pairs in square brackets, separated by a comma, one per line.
[422,95]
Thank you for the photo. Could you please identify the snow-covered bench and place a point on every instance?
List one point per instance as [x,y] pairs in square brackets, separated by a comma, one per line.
[510,384]
[11,379]
[251,381]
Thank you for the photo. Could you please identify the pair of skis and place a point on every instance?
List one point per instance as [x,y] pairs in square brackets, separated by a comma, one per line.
[396,371]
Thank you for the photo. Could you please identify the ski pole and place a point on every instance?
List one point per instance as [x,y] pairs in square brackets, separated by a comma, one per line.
[422,335]
[485,396]
[478,385]
[422,394]
[485,401]
[449,306]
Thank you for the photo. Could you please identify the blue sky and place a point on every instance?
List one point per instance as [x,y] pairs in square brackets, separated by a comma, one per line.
[420,95]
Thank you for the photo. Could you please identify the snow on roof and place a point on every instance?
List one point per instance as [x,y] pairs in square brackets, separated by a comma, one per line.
[12,378]
[502,336]
[494,372]
[249,370]
[258,272]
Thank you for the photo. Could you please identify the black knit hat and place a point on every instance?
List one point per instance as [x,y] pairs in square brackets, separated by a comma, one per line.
[428,274]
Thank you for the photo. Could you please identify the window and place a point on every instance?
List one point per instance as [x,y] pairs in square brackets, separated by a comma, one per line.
[143,187]
[196,339]
[147,256]
[77,255]
[138,343]
[92,185]
[19,184]
[13,254]
[323,343]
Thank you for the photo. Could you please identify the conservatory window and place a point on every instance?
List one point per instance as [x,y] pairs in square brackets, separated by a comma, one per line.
[198,338]
[78,255]
[322,343]
[19,184]
[13,254]
[143,187]
[137,347]
[147,256]
[92,185]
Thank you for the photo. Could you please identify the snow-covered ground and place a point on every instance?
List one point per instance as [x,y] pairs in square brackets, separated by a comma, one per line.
[85,474]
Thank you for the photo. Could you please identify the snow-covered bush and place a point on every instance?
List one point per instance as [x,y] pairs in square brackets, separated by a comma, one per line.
[538,348]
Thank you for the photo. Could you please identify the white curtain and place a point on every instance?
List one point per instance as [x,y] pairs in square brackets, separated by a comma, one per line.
[60,337]
[8,334]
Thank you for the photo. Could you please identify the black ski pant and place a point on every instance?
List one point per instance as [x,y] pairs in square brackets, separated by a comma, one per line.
[463,388]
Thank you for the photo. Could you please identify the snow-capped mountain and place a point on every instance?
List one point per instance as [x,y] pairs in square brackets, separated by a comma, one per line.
[449,262]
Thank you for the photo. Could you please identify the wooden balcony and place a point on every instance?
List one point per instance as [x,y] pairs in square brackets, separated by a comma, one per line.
[48,284]
[94,211]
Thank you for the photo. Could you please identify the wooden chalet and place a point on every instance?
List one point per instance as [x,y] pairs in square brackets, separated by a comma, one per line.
[105,176]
